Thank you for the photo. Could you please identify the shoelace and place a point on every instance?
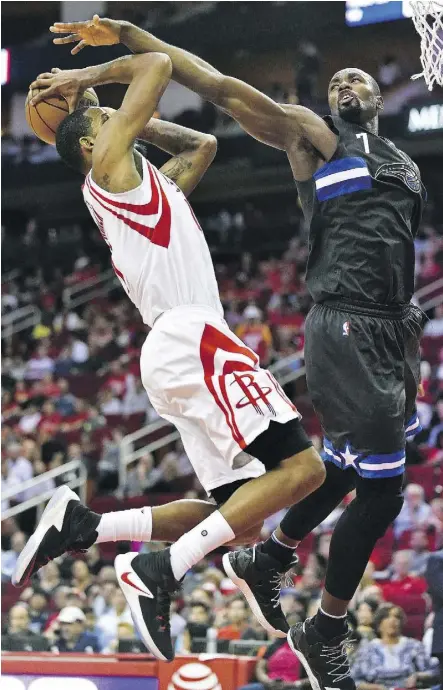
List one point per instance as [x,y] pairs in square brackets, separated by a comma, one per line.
[337,658]
[274,583]
[164,611]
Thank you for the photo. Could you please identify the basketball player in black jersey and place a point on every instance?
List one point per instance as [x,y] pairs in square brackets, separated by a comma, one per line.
[363,199]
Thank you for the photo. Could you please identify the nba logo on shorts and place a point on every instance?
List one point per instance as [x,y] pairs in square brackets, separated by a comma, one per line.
[346,328]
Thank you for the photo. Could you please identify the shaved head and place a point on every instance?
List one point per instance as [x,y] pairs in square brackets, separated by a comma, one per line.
[364,74]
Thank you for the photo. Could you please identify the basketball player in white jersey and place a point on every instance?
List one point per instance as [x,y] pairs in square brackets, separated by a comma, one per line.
[234,419]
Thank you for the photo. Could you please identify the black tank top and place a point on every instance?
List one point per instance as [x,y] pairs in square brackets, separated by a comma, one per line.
[363,208]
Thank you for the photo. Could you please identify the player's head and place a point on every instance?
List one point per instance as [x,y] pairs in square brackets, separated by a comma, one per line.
[76,135]
[354,96]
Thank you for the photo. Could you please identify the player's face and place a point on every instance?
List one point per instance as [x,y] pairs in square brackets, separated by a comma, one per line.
[352,96]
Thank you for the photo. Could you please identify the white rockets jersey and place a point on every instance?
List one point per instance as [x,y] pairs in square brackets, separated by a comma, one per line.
[158,249]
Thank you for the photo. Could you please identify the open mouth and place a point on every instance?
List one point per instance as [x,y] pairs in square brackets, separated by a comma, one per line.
[346,98]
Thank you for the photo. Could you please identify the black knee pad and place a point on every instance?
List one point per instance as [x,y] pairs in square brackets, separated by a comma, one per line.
[375,512]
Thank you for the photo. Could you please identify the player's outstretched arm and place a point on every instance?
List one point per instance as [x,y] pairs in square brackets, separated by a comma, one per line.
[193,151]
[260,116]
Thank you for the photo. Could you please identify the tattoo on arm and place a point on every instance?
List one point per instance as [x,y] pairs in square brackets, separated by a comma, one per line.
[177,167]
[170,137]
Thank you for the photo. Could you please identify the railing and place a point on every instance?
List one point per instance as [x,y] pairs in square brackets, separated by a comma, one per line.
[284,371]
[78,482]
[20,319]
[86,290]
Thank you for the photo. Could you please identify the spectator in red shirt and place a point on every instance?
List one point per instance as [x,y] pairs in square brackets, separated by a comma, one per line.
[401,580]
[50,421]
[117,380]
[237,615]
[47,387]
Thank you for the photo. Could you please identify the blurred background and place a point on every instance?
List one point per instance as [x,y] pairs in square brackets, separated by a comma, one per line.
[73,407]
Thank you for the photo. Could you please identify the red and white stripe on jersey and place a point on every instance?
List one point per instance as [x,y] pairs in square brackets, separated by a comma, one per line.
[152,219]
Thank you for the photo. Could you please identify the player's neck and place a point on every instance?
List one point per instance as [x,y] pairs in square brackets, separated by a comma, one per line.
[372,125]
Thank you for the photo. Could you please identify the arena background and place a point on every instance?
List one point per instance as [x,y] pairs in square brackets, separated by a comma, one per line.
[73,409]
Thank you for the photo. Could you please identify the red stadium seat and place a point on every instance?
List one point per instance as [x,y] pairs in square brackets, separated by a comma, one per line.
[84,386]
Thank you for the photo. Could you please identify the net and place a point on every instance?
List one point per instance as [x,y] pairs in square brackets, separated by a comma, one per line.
[428,21]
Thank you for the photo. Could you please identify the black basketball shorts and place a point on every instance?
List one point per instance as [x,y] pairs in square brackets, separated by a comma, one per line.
[362,370]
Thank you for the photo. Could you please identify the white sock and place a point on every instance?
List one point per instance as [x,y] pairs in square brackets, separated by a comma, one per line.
[211,533]
[126,525]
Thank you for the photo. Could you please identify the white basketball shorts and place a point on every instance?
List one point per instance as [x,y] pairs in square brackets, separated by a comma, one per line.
[200,377]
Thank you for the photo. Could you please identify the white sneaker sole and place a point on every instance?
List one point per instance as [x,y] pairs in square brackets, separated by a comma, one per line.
[253,604]
[123,564]
[315,685]
[53,516]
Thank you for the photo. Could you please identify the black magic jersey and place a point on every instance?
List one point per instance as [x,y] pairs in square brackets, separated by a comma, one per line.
[364,207]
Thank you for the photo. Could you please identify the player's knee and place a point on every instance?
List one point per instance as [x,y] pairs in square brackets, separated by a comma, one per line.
[314,471]
[315,468]
[377,512]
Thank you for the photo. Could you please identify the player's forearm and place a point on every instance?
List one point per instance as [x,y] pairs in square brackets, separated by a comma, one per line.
[187,69]
[125,69]
[172,138]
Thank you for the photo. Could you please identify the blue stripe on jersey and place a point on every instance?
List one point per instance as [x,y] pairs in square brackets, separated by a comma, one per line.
[348,163]
[413,427]
[341,177]
[368,466]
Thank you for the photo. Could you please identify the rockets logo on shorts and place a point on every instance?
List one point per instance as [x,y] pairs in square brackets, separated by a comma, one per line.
[346,328]
[238,385]
[250,387]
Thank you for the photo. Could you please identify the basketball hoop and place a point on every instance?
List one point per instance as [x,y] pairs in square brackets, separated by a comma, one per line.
[428,21]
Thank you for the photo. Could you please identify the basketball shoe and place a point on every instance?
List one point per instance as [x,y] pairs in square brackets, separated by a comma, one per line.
[325,661]
[147,582]
[259,576]
[66,525]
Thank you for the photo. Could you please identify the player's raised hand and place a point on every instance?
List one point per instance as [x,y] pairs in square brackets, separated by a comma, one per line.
[94,32]
[67,83]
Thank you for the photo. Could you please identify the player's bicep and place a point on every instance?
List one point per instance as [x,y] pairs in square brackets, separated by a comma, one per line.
[303,123]
[187,169]
[260,116]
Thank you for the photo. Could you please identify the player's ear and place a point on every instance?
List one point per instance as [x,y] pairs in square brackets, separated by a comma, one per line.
[379,103]
[87,143]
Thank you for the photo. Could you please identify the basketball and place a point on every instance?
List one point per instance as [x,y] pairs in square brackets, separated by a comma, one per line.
[45,117]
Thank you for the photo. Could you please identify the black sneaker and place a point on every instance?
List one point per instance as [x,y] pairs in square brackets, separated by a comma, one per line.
[147,582]
[66,525]
[325,661]
[259,577]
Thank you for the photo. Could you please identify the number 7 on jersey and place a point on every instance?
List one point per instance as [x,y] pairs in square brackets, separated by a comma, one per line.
[364,136]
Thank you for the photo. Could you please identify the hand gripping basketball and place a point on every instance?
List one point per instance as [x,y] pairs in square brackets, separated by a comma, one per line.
[94,32]
[67,83]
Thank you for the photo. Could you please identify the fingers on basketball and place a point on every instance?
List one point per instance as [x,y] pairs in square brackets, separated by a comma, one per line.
[44,117]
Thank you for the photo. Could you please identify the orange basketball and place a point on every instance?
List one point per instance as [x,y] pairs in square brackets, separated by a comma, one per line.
[45,117]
